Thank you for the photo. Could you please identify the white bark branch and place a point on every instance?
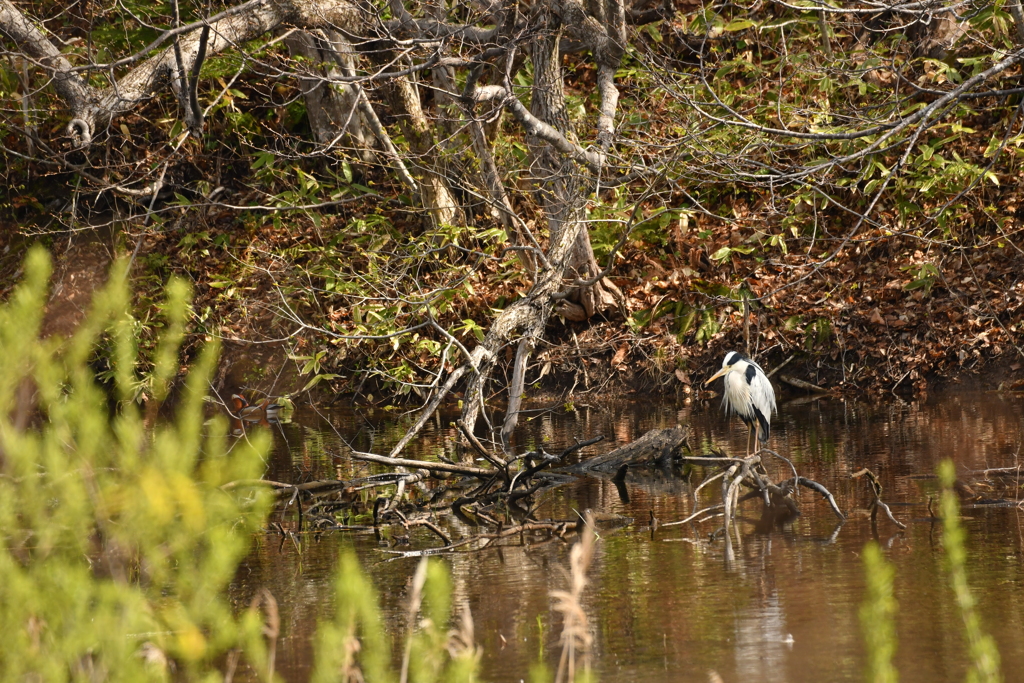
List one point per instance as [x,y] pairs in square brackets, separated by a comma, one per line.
[37,46]
[534,126]
[92,108]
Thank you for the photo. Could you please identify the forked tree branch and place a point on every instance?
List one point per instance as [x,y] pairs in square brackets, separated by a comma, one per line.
[91,108]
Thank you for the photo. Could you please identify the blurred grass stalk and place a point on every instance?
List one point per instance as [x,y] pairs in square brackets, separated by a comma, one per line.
[878,616]
[982,649]
[576,636]
[878,612]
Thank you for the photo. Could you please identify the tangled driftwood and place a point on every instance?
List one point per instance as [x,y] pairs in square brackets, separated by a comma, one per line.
[470,508]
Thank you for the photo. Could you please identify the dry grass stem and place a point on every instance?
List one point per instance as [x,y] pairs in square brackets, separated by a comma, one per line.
[271,628]
[415,599]
[576,637]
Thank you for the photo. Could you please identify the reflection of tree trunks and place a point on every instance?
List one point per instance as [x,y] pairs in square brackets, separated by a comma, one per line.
[435,194]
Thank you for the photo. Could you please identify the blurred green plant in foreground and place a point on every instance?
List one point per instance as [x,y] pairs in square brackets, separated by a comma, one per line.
[118,537]
[118,541]
[879,609]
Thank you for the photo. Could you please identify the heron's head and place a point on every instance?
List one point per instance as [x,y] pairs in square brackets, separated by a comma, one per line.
[728,363]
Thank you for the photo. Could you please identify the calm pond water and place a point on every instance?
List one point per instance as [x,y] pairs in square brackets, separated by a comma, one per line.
[665,606]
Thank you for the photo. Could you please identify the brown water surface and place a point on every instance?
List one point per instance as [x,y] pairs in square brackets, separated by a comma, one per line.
[665,606]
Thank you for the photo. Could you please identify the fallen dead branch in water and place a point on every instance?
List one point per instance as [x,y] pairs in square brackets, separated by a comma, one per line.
[989,487]
[876,491]
[499,501]
[749,472]
[825,493]
[704,511]
[466,508]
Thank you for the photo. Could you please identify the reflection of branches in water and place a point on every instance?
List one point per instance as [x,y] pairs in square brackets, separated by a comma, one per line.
[876,490]
[490,499]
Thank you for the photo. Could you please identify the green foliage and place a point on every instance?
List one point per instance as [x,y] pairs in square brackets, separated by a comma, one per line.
[429,658]
[724,253]
[379,280]
[311,365]
[117,538]
[925,276]
[708,328]
[983,653]
[878,616]
[818,334]
[356,629]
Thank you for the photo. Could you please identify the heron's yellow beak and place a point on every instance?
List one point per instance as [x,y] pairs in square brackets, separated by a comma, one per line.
[717,375]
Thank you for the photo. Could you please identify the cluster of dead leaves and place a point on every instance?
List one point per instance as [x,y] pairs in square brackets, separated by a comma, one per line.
[880,317]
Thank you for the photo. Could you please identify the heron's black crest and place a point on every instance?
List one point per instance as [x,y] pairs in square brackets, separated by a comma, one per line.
[734,357]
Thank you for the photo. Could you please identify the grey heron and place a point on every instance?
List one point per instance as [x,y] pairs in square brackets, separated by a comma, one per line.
[748,393]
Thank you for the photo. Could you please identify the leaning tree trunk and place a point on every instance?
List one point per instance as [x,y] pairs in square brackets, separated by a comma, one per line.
[332,108]
[435,196]
[567,278]
[561,187]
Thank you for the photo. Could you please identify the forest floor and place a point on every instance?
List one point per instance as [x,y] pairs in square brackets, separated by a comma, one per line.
[864,324]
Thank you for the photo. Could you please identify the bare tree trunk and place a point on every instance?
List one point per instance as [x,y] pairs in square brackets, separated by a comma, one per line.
[332,108]
[561,187]
[435,195]
[936,34]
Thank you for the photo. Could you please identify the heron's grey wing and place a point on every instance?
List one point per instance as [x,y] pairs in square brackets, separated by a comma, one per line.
[762,394]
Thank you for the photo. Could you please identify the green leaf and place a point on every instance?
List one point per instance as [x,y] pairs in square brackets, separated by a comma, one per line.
[317,379]
[739,25]
[722,254]
[263,159]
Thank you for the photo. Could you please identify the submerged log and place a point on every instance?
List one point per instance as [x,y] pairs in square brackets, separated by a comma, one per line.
[656,448]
